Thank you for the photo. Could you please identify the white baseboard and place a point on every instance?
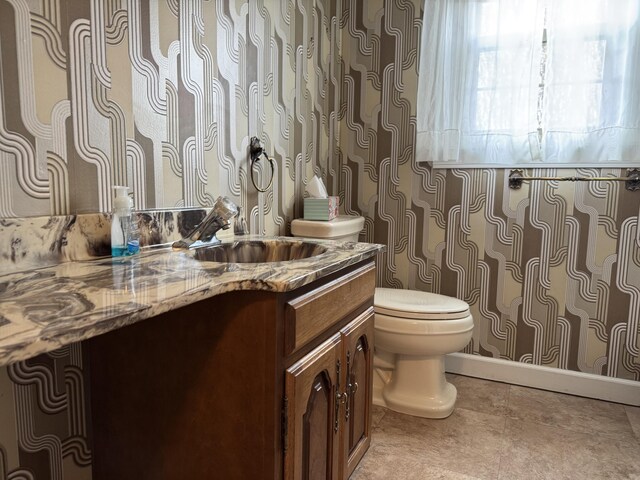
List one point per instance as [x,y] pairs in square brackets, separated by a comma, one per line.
[545,378]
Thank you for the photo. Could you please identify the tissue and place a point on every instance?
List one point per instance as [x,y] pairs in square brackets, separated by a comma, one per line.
[316,188]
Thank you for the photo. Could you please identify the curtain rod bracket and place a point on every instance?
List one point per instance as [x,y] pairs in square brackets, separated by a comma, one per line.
[515,179]
[633,182]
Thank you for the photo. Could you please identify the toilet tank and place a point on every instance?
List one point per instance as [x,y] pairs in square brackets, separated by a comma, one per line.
[343,228]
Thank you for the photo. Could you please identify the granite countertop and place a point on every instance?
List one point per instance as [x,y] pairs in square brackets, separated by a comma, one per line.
[44,309]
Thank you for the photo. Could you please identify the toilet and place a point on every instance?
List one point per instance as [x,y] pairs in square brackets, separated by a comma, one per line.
[413,332]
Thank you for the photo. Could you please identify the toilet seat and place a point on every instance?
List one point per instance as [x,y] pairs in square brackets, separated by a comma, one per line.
[408,312]
[411,304]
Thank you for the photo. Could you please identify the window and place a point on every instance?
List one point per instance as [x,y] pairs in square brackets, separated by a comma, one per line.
[529,83]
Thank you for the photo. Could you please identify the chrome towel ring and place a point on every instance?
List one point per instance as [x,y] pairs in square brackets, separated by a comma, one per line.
[256,151]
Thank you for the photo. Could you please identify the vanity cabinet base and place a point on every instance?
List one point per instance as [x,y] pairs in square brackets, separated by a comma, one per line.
[199,392]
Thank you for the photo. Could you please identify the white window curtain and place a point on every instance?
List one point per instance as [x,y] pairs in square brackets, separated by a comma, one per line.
[592,85]
[492,93]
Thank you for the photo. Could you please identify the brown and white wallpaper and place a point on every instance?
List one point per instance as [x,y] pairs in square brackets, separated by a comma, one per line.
[44,422]
[551,271]
[162,96]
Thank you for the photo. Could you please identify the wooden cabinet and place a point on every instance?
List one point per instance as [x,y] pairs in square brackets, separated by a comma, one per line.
[358,354]
[328,405]
[245,385]
[312,396]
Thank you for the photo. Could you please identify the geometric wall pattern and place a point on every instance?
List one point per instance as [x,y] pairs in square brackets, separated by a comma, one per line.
[551,271]
[45,430]
[163,96]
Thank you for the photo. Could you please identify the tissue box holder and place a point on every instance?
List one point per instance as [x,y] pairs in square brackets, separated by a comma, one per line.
[321,208]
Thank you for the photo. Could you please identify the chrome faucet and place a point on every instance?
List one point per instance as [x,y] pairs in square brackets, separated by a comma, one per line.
[205,233]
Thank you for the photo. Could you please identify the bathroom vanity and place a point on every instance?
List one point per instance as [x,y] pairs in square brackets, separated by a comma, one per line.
[222,370]
[246,385]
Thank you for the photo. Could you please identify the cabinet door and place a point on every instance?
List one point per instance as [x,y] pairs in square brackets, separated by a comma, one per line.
[312,389]
[357,340]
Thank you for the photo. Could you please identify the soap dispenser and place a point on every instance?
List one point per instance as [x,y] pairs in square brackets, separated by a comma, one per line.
[121,222]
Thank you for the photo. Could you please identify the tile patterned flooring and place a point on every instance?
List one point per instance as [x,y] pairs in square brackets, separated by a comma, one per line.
[507,432]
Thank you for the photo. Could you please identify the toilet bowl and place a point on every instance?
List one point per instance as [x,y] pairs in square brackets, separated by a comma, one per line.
[413,332]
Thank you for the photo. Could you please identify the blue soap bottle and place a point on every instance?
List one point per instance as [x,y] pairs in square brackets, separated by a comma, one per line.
[121,222]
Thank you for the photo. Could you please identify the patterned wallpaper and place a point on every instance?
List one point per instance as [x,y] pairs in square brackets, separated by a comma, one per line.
[45,424]
[163,96]
[551,271]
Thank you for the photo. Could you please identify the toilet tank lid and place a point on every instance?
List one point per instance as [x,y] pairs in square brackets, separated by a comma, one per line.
[338,227]
[412,301]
